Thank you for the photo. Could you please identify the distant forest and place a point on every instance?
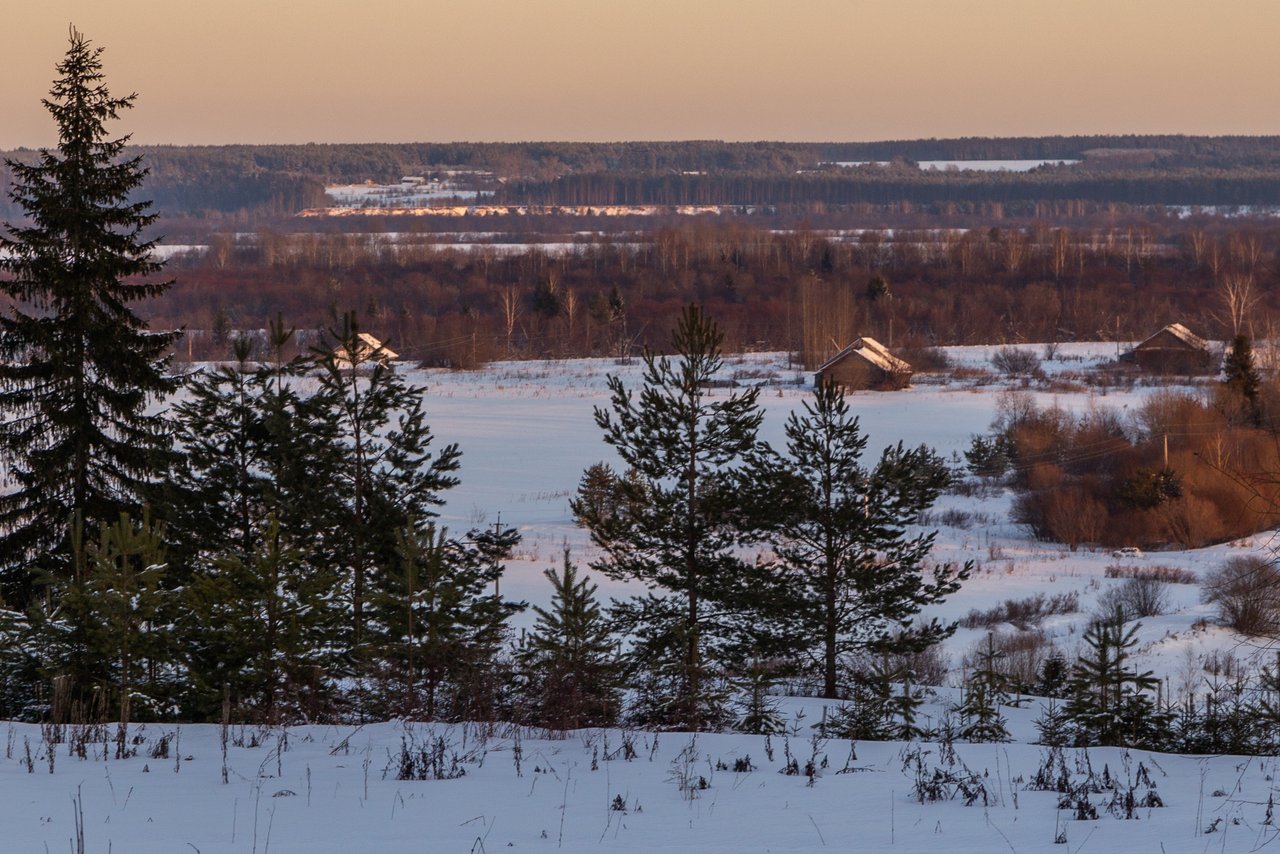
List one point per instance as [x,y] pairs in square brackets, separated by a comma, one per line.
[257,183]
[809,255]
[803,291]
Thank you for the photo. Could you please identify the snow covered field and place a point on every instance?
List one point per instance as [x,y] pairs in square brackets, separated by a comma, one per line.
[332,790]
[526,432]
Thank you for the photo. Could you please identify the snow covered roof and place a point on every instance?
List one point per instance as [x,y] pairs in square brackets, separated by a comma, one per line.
[368,347]
[874,352]
[1181,333]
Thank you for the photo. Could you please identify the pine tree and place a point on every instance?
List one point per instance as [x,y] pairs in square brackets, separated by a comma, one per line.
[385,471]
[110,627]
[439,623]
[855,576]
[217,495]
[683,521]
[1110,701]
[260,627]
[78,367]
[570,656]
[984,692]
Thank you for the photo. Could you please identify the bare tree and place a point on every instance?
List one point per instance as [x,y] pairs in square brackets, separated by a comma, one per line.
[1235,292]
[510,312]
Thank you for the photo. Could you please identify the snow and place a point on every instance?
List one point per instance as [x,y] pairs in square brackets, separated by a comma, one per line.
[335,789]
[526,431]
[971,165]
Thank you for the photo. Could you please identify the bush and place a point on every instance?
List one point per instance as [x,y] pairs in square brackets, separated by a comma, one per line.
[1138,597]
[1246,590]
[1013,362]
[1160,572]
[1022,613]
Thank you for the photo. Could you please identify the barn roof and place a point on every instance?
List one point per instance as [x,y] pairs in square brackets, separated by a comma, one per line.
[368,347]
[1182,334]
[872,351]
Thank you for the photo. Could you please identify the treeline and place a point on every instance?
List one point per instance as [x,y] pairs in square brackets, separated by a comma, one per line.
[1166,148]
[877,185]
[270,181]
[796,291]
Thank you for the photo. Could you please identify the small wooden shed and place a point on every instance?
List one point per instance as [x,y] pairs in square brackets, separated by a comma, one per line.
[369,348]
[866,363]
[1174,350]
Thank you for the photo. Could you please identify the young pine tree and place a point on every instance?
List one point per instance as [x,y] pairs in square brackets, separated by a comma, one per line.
[683,525]
[78,367]
[570,658]
[856,578]
[385,472]
[1110,702]
[440,625]
[984,692]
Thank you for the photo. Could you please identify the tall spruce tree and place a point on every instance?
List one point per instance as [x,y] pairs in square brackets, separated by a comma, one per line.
[77,365]
[856,576]
[681,521]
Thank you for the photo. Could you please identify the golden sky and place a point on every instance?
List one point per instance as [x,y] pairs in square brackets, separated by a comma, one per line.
[259,71]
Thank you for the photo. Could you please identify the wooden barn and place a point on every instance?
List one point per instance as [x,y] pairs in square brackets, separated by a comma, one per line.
[1174,350]
[369,348]
[866,363]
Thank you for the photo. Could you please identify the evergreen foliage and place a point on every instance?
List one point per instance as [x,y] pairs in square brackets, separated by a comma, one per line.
[985,691]
[263,625]
[857,578]
[570,658]
[439,625]
[384,471]
[78,367]
[1242,379]
[1110,701]
[685,519]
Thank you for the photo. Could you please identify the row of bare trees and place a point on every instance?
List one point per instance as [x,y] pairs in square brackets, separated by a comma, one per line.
[803,291]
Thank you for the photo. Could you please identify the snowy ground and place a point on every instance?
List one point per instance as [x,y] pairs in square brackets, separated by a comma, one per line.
[526,432]
[336,789]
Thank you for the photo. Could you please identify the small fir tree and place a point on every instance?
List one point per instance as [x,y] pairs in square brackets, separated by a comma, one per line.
[570,656]
[1110,702]
[985,691]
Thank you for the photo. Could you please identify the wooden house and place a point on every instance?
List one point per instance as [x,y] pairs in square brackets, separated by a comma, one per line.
[369,348]
[1174,350]
[866,363]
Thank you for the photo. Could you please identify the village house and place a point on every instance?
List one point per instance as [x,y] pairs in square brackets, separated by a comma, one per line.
[865,364]
[1174,350]
[369,348]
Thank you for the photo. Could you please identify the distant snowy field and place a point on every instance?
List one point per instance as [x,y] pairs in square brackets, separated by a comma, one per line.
[526,432]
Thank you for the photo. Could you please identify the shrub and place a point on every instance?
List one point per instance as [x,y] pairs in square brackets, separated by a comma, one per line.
[1160,572]
[1013,362]
[1139,596]
[1022,613]
[1246,590]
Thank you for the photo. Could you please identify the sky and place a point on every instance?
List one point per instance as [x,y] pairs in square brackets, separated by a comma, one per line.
[287,71]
